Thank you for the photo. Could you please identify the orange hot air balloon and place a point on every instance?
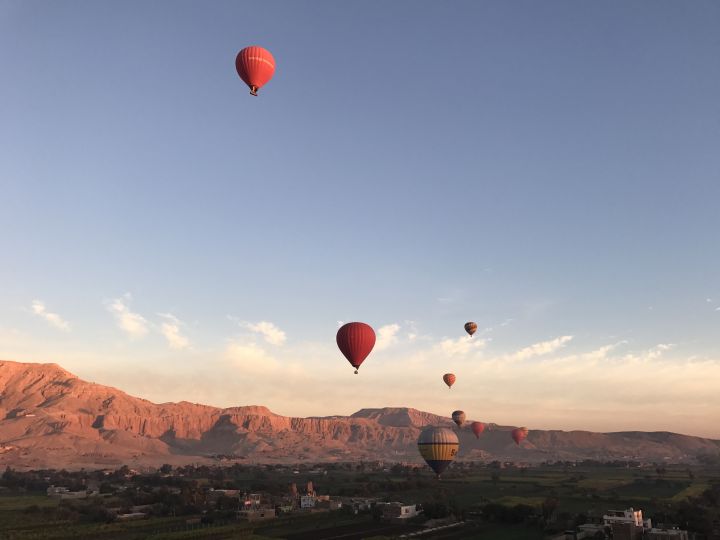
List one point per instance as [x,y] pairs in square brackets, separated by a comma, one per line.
[458,417]
[477,428]
[449,379]
[519,434]
[470,328]
[255,66]
[355,340]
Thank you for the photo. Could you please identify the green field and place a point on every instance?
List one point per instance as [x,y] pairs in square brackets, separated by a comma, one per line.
[589,490]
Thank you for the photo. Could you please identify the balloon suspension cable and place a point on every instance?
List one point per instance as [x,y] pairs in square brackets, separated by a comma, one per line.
[253,90]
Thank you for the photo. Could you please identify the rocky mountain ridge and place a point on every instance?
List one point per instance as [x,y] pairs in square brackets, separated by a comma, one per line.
[51,418]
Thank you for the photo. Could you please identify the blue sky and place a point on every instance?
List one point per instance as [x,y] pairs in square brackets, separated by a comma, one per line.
[545,169]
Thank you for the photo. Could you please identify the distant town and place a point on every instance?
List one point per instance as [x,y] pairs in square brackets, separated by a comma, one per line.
[551,501]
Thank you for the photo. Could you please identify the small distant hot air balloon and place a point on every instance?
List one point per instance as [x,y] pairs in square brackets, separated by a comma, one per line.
[449,379]
[255,66]
[355,341]
[477,428]
[519,434]
[458,417]
[470,328]
[438,446]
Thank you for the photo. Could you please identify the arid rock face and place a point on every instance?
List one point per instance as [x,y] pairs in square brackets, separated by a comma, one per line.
[50,418]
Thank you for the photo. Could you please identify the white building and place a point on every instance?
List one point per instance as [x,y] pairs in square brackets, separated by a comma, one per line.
[56,491]
[666,534]
[626,516]
[399,511]
[307,501]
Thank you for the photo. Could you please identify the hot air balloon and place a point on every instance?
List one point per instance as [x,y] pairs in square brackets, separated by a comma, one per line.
[470,328]
[458,417]
[355,341]
[519,434]
[449,379]
[255,66]
[438,446]
[477,428]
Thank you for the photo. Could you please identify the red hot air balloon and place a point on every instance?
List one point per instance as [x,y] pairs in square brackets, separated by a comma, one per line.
[449,379]
[519,435]
[355,341]
[255,66]
[477,428]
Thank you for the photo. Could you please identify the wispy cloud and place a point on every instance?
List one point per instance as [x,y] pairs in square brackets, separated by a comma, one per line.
[251,358]
[412,331]
[39,309]
[651,354]
[602,352]
[460,346]
[171,329]
[134,324]
[269,332]
[386,336]
[542,348]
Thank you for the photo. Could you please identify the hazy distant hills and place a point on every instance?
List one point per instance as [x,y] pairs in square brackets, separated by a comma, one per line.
[51,418]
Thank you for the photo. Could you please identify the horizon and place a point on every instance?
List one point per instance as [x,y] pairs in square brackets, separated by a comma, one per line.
[486,421]
[547,171]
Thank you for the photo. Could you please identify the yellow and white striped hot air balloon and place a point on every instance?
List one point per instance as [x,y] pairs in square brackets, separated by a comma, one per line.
[438,446]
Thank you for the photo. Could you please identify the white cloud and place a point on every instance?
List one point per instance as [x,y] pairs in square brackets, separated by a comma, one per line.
[602,352]
[270,333]
[412,331]
[251,357]
[387,336]
[171,329]
[134,324]
[38,308]
[460,346]
[657,351]
[539,349]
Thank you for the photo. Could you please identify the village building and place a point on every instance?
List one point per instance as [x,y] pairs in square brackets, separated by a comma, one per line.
[256,514]
[666,534]
[630,516]
[399,512]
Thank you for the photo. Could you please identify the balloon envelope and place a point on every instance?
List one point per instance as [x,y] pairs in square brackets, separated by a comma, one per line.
[477,428]
[449,379]
[255,66]
[438,446]
[470,327]
[519,434]
[355,341]
[458,417]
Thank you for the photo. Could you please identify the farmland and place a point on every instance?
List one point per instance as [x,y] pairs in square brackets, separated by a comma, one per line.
[478,500]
